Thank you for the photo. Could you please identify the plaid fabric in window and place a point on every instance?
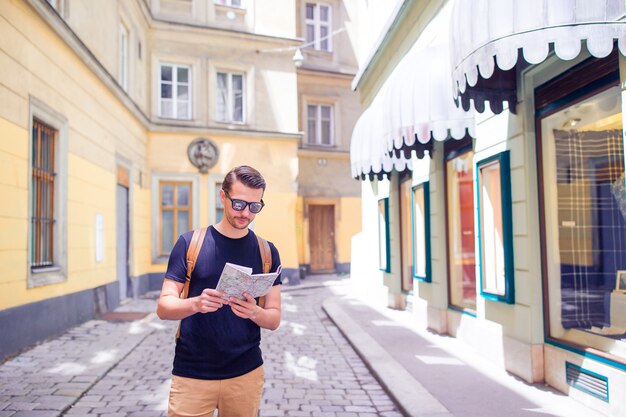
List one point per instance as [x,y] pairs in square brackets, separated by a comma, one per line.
[592,224]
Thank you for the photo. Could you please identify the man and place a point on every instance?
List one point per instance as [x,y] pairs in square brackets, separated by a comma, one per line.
[218,362]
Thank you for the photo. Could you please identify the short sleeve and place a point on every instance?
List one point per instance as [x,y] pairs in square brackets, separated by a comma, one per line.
[275,264]
[177,264]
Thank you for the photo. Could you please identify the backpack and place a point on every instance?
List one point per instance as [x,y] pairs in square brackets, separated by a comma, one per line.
[192,255]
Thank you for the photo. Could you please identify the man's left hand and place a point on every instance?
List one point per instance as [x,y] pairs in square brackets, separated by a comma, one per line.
[246,309]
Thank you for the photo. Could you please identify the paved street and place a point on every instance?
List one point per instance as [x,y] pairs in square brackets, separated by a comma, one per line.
[121,366]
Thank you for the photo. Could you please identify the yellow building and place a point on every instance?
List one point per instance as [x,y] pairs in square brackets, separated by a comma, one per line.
[119,119]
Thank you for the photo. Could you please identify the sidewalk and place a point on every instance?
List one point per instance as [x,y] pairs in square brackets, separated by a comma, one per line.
[435,375]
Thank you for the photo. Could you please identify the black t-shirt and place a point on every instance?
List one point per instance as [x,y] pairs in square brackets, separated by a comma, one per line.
[217,345]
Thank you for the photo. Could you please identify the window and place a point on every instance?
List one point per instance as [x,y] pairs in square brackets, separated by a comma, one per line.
[175,213]
[495,228]
[43,186]
[318,24]
[230,101]
[421,232]
[123,57]
[219,206]
[583,201]
[231,3]
[460,209]
[383,235]
[320,125]
[175,92]
[405,232]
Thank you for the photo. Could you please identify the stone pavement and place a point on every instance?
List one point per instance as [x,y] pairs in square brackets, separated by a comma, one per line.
[337,353]
[121,366]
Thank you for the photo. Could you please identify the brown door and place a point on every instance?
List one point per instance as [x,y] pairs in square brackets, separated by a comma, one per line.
[322,238]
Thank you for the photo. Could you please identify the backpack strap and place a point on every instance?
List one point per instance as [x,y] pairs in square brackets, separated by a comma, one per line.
[192,255]
[266,258]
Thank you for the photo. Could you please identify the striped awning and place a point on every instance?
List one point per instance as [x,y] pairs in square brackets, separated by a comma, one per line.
[412,108]
[487,37]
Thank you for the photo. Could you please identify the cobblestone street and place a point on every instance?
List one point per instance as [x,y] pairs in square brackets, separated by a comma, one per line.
[121,367]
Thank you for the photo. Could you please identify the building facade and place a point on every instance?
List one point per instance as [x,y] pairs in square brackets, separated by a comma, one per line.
[501,221]
[119,120]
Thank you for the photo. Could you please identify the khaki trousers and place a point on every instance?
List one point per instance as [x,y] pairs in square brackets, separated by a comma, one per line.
[234,397]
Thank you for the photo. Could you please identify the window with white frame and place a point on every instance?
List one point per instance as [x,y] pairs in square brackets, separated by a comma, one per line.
[219,206]
[320,125]
[123,57]
[318,24]
[47,237]
[231,3]
[230,97]
[175,91]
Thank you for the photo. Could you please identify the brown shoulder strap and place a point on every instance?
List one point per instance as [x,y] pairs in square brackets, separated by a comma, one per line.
[266,258]
[192,255]
[266,254]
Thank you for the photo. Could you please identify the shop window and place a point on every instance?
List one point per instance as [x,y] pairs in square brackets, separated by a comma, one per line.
[583,201]
[383,235]
[421,232]
[405,231]
[495,228]
[175,92]
[460,223]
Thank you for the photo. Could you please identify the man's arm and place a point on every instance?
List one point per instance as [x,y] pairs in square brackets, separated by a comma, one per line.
[172,307]
[267,317]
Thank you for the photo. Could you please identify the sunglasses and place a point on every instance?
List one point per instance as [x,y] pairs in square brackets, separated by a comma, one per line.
[240,205]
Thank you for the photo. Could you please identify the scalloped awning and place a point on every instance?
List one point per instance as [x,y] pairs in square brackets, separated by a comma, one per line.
[369,157]
[413,107]
[487,36]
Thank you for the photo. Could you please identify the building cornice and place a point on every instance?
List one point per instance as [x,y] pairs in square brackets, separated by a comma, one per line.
[156,127]
[162,23]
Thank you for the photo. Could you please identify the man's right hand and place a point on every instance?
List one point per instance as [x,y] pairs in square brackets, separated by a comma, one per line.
[209,301]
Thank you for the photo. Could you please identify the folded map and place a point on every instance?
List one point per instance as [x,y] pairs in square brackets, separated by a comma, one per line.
[237,279]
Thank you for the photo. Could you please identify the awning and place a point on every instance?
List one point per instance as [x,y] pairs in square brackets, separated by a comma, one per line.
[413,107]
[369,157]
[484,31]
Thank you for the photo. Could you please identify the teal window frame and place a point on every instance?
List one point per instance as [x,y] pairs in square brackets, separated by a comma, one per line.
[387,255]
[426,187]
[503,158]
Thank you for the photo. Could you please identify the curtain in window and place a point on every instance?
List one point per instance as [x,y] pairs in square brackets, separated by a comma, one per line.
[591,223]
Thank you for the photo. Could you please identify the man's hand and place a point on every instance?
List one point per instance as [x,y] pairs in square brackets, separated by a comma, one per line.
[246,309]
[209,301]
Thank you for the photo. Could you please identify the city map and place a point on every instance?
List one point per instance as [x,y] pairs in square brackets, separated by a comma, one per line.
[237,279]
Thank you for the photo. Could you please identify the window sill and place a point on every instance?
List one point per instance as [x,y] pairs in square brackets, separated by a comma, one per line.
[40,277]
[234,125]
[319,52]
[318,146]
[224,8]
[174,118]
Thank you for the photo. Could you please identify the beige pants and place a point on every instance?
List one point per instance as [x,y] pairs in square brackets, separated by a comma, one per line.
[234,397]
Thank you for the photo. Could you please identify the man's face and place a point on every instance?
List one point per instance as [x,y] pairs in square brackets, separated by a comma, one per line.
[240,219]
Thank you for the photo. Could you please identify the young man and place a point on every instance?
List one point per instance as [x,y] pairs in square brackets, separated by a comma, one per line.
[218,362]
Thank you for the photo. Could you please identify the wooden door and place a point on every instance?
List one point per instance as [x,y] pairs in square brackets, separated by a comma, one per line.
[322,237]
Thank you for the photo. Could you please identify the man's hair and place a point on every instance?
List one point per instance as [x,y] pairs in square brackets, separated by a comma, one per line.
[246,175]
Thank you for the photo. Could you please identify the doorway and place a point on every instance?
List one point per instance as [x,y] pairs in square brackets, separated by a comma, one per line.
[122,239]
[322,238]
